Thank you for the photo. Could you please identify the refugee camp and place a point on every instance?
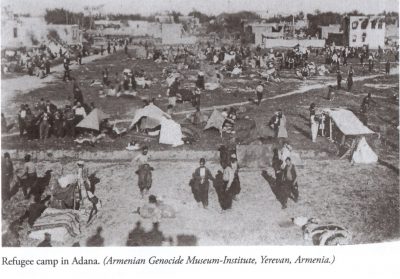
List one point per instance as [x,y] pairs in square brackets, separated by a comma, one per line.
[234,123]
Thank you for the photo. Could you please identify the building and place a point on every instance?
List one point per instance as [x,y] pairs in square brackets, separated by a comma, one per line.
[164,18]
[26,31]
[392,34]
[67,34]
[17,32]
[190,23]
[364,30]
[173,34]
[263,31]
[331,28]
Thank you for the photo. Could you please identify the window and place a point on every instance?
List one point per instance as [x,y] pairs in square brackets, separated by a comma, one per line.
[380,24]
[364,35]
[364,23]
[373,23]
[354,38]
[354,25]
[15,32]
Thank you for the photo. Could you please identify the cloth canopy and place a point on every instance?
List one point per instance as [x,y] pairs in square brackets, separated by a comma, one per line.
[347,122]
[153,113]
[364,153]
[93,120]
[216,120]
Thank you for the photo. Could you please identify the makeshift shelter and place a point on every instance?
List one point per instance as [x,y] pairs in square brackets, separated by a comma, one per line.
[347,123]
[364,153]
[152,115]
[93,120]
[216,120]
[171,132]
[60,223]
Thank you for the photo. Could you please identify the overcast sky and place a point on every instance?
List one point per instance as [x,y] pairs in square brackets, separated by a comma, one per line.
[146,7]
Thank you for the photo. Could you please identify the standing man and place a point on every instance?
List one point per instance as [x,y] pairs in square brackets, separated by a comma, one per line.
[47,66]
[126,48]
[196,98]
[387,67]
[350,81]
[274,123]
[29,175]
[66,69]
[259,92]
[200,183]
[21,120]
[370,62]
[44,126]
[109,47]
[83,182]
[290,179]
[7,172]
[366,103]
[143,171]
[69,116]
[339,80]
[80,57]
[172,91]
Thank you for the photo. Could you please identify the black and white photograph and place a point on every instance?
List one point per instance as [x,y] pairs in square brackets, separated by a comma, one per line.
[199,123]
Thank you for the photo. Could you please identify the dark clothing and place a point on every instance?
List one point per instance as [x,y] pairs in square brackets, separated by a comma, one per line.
[173,90]
[290,182]
[135,237]
[259,97]
[28,182]
[349,82]
[33,213]
[95,241]
[387,67]
[339,81]
[275,123]
[145,177]
[45,243]
[78,96]
[7,172]
[200,82]
[200,185]
[276,165]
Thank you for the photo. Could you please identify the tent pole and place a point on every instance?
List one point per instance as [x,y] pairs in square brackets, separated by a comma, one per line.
[330,129]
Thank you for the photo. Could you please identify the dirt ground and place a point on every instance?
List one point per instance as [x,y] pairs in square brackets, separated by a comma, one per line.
[363,198]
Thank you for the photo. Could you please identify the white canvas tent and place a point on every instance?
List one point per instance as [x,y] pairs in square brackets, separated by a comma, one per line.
[364,153]
[151,112]
[170,132]
[216,120]
[93,120]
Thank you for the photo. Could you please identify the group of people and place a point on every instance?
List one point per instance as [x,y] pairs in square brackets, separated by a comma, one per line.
[226,182]
[285,175]
[45,119]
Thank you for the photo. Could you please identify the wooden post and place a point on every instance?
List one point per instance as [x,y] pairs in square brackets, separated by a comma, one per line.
[343,139]
[330,129]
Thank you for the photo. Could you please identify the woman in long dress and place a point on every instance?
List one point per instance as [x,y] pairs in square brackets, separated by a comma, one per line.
[314,128]
[282,132]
